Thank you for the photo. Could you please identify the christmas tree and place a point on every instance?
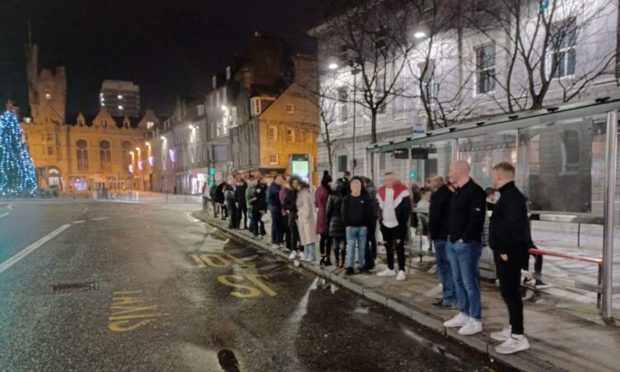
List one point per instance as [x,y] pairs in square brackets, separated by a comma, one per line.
[17,174]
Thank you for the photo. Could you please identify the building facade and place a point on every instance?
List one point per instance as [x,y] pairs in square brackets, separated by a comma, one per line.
[120,97]
[82,153]
[460,60]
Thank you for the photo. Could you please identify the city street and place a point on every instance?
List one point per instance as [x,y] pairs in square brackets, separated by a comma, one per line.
[105,286]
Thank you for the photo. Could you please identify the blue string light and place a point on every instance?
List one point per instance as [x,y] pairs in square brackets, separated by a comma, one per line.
[17,174]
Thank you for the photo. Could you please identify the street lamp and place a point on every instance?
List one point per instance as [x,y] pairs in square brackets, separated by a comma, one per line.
[333,66]
[419,35]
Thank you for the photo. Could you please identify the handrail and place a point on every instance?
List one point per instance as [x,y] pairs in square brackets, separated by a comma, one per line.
[540,252]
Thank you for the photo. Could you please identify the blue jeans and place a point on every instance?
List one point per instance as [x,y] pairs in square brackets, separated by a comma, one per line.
[356,234]
[464,262]
[444,272]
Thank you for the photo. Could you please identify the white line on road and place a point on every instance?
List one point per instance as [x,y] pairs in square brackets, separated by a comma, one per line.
[78,221]
[31,248]
[9,207]
[101,218]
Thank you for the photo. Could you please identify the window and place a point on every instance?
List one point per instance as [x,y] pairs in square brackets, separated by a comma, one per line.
[82,156]
[343,104]
[564,58]
[485,69]
[126,153]
[48,95]
[200,110]
[273,159]
[290,109]
[255,105]
[343,162]
[149,124]
[290,135]
[381,38]
[272,134]
[105,156]
[50,137]
[570,151]
[50,150]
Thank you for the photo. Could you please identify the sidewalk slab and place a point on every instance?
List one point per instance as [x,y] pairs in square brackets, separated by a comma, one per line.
[559,339]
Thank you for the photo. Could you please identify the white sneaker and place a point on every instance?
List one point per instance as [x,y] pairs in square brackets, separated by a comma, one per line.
[502,335]
[401,275]
[275,246]
[302,257]
[513,345]
[293,255]
[387,272]
[471,328]
[458,321]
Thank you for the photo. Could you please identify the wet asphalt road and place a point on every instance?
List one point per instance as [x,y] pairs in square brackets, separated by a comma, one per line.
[144,287]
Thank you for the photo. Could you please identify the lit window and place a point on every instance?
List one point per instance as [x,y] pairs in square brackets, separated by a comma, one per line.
[272,134]
[485,69]
[149,124]
[273,159]
[102,104]
[120,107]
[290,135]
[564,56]
[48,96]
[120,96]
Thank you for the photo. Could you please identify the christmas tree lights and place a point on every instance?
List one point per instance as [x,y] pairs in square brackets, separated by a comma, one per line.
[17,174]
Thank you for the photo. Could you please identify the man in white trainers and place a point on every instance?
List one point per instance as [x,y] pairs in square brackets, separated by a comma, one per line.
[464,247]
[395,208]
[509,238]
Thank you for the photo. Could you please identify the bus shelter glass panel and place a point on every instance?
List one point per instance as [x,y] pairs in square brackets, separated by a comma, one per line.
[561,171]
[483,152]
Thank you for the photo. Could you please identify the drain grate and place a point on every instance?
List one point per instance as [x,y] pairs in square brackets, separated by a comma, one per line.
[73,287]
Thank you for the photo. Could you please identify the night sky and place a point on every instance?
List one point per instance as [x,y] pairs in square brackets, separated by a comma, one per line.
[168,47]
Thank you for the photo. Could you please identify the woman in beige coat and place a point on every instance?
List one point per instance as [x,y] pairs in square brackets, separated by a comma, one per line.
[306,221]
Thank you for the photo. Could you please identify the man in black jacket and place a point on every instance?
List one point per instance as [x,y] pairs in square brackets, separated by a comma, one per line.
[464,247]
[438,226]
[242,209]
[509,238]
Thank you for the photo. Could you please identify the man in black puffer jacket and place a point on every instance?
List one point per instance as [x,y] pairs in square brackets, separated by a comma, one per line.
[509,237]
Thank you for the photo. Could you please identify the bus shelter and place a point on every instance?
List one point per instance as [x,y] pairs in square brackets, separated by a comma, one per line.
[566,159]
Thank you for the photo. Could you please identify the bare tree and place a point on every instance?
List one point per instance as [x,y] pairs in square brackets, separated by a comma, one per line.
[329,109]
[370,42]
[538,39]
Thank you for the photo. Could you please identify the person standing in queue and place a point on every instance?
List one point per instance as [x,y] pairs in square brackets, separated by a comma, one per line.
[356,216]
[464,247]
[509,238]
[438,226]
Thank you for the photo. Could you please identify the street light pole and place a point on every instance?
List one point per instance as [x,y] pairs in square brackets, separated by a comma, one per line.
[355,71]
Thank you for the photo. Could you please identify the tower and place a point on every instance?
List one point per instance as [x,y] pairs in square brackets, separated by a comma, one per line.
[47,90]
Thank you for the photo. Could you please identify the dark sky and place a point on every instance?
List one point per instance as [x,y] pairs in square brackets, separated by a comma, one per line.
[168,47]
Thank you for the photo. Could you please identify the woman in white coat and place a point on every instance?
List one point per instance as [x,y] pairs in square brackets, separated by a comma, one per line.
[306,221]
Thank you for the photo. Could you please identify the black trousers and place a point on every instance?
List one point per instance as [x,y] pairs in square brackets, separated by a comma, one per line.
[509,275]
[259,225]
[538,263]
[390,235]
[340,249]
[292,243]
[325,245]
[243,211]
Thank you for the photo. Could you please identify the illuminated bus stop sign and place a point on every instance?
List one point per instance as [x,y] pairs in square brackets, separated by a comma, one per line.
[300,166]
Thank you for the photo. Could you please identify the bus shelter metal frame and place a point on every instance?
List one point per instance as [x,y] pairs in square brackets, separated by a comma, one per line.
[599,106]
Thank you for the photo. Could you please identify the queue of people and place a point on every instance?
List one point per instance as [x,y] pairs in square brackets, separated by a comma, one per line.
[350,218]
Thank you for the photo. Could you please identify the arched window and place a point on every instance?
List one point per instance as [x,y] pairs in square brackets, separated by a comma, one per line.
[82,156]
[126,156]
[105,157]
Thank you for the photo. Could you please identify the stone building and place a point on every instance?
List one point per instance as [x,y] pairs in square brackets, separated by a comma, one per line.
[81,152]
[277,117]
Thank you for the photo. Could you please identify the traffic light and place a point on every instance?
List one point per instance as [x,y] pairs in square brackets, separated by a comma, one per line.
[413,175]
[212,171]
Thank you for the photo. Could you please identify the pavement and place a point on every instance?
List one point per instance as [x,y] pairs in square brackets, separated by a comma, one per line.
[114,286]
[564,334]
